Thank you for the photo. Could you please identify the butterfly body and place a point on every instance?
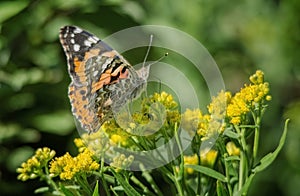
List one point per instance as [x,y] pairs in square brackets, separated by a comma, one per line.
[102,81]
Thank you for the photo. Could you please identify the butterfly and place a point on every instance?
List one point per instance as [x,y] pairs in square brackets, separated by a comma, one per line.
[102,81]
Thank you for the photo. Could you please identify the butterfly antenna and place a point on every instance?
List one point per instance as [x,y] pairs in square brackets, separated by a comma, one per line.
[158,60]
[148,50]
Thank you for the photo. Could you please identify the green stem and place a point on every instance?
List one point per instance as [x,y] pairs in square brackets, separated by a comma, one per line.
[256,137]
[50,182]
[227,174]
[48,179]
[179,175]
[105,186]
[150,180]
[84,184]
[243,156]
[140,184]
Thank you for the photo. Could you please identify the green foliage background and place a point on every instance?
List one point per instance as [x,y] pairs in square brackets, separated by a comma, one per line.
[242,36]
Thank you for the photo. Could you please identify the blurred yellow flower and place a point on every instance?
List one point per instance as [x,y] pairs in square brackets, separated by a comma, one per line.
[208,157]
[190,160]
[122,162]
[79,143]
[232,149]
[33,167]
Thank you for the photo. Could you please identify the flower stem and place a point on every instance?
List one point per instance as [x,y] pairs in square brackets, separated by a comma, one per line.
[102,176]
[256,137]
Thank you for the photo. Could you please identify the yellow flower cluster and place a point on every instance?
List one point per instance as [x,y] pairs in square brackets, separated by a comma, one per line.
[158,111]
[249,98]
[208,158]
[122,162]
[67,166]
[193,121]
[117,135]
[190,160]
[206,125]
[97,142]
[33,167]
[165,99]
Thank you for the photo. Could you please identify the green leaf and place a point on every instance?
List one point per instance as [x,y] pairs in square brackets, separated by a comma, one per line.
[9,9]
[41,190]
[129,190]
[232,158]
[65,190]
[96,192]
[231,134]
[246,186]
[269,158]
[221,190]
[208,171]
[265,161]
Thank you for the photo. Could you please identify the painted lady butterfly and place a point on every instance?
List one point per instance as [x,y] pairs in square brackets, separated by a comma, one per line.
[102,81]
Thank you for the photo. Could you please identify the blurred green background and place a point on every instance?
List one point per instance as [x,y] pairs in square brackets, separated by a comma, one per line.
[242,36]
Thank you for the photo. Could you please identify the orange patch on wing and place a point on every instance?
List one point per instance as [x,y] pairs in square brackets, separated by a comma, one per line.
[79,104]
[80,65]
[110,54]
[106,78]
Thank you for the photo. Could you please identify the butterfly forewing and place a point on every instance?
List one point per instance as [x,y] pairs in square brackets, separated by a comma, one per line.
[101,79]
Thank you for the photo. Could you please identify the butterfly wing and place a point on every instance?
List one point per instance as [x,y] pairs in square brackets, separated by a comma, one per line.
[93,67]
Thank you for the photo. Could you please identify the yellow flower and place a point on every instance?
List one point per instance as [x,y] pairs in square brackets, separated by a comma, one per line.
[67,166]
[232,149]
[190,120]
[33,167]
[117,135]
[208,157]
[97,142]
[122,162]
[190,160]
[79,144]
[164,98]
[248,98]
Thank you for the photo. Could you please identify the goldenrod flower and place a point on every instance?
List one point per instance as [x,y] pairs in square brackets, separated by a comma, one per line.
[190,120]
[208,158]
[79,143]
[164,98]
[122,162]
[33,167]
[97,142]
[67,166]
[117,135]
[248,98]
[232,149]
[190,160]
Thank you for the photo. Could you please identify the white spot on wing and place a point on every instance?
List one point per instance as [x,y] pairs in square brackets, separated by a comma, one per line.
[76,47]
[95,38]
[95,73]
[72,41]
[106,63]
[77,30]
[87,43]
